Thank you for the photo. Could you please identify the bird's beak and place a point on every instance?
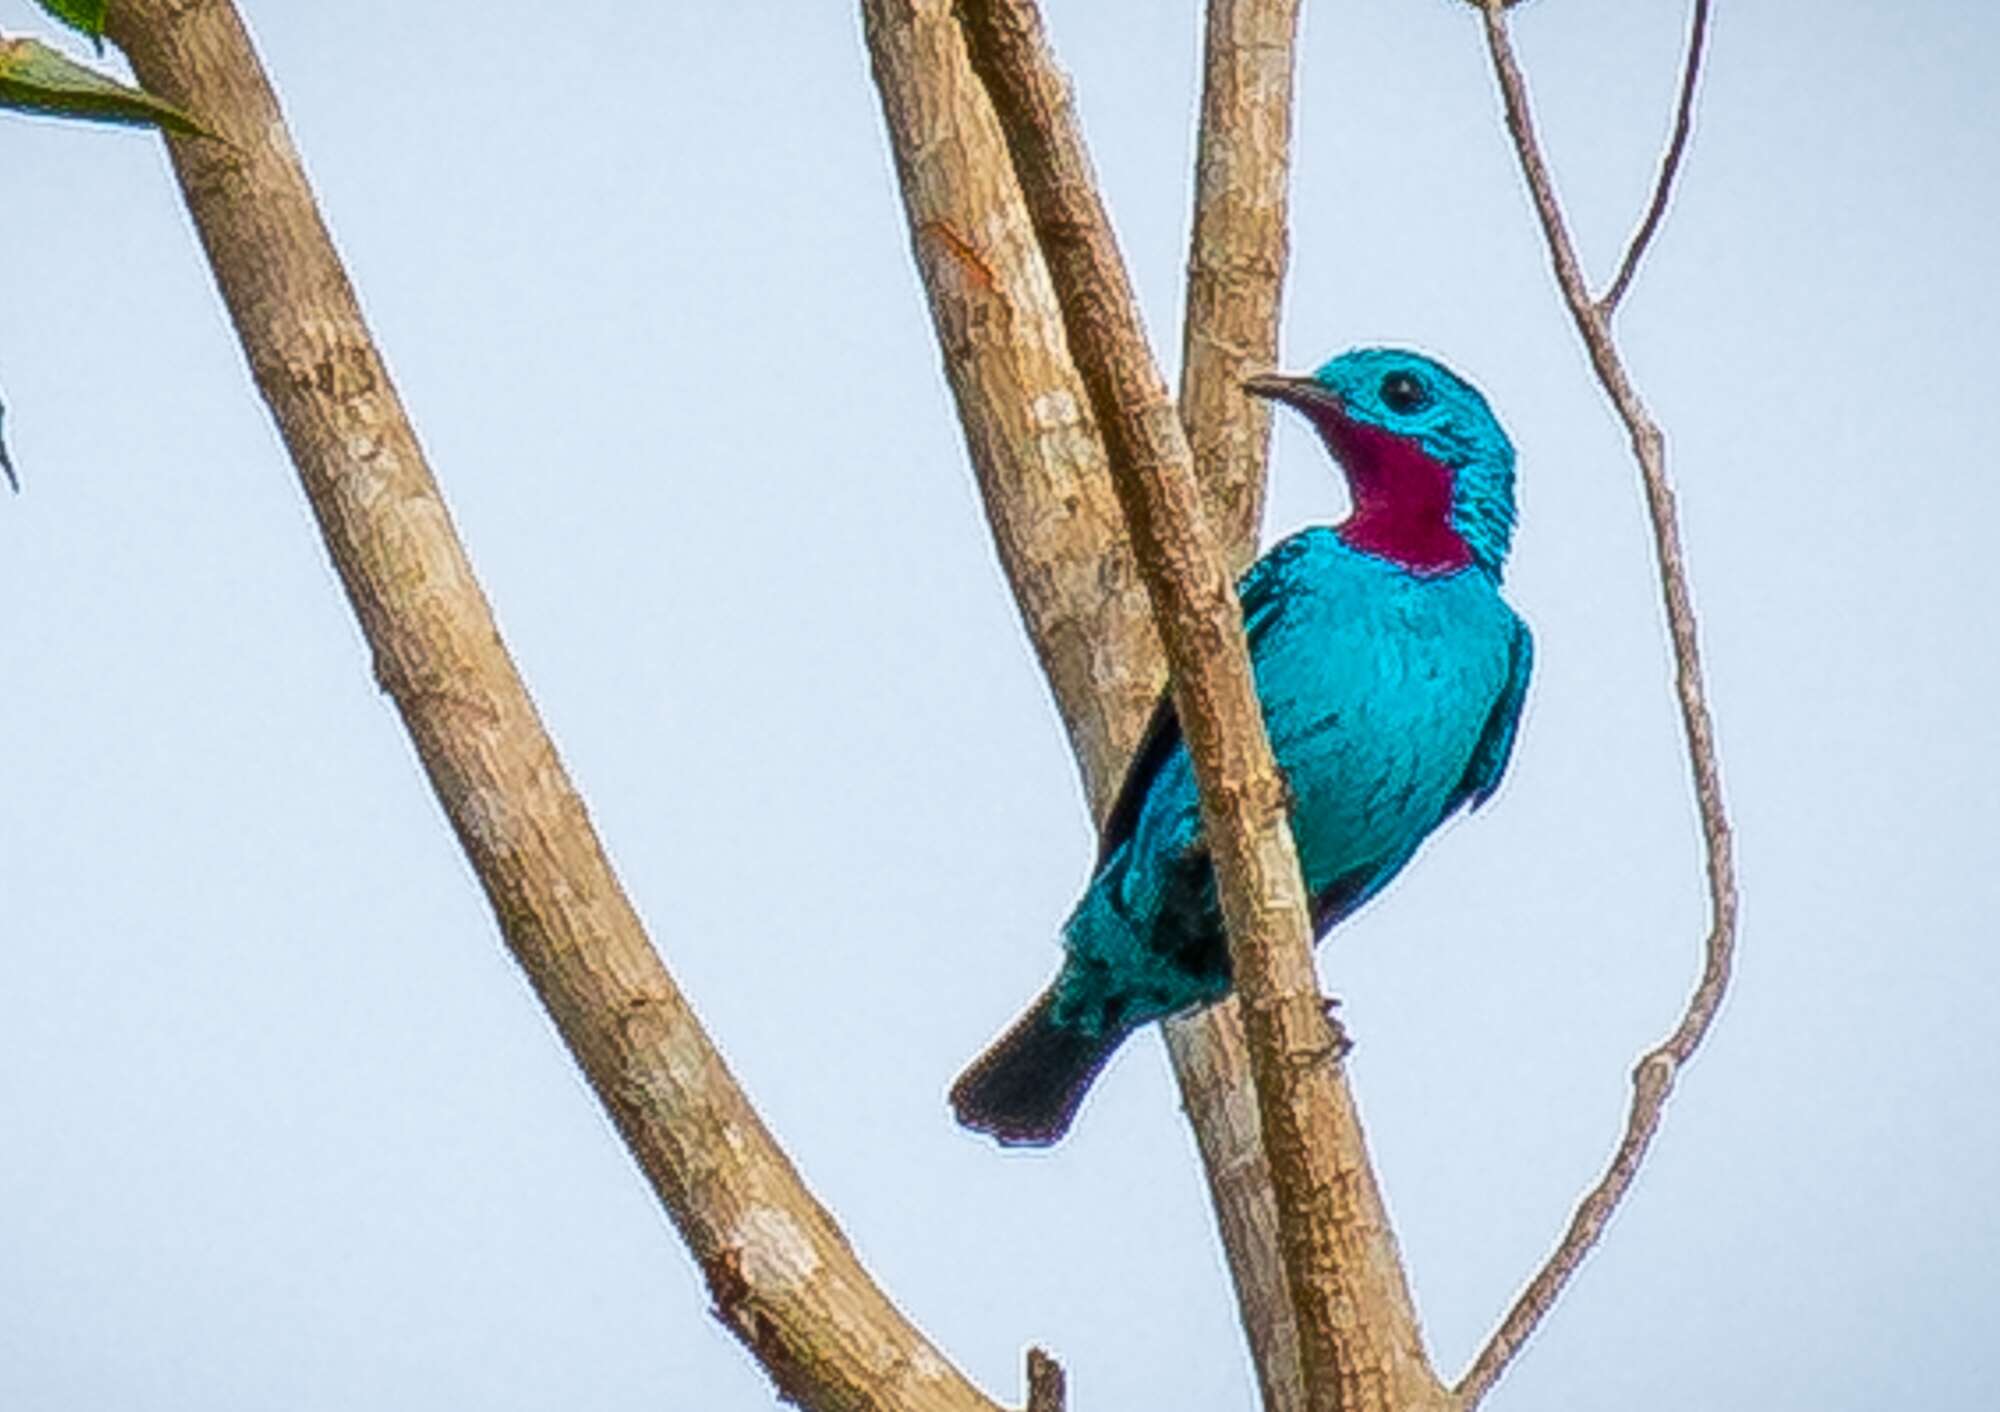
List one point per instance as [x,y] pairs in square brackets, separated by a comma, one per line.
[1304,393]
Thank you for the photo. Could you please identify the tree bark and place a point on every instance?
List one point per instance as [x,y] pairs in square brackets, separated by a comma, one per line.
[1056,523]
[1034,445]
[1236,259]
[783,1277]
[1236,271]
[1358,1334]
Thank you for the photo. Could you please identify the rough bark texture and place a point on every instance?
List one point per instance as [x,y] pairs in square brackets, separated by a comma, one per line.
[1360,1346]
[1055,518]
[782,1275]
[1212,1065]
[1236,270]
[1236,259]
[1034,444]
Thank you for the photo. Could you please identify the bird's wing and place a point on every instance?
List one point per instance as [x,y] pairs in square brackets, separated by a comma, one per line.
[1496,739]
[1261,592]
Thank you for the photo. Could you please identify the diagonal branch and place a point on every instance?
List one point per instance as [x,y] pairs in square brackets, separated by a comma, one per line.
[1359,1341]
[1670,164]
[782,1275]
[1046,485]
[1653,1078]
[1236,270]
[1033,444]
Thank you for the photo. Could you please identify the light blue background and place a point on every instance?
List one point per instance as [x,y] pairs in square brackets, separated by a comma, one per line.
[280,1125]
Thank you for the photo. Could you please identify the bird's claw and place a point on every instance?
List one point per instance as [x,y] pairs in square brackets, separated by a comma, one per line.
[1336,1032]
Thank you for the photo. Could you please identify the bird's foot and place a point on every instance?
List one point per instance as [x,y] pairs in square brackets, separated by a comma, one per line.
[1336,1032]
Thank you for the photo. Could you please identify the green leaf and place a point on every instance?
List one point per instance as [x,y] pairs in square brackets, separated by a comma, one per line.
[84,15]
[38,79]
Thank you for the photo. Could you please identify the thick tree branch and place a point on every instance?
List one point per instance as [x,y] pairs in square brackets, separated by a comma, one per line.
[1670,165]
[1236,272]
[782,1275]
[1236,259]
[1055,519]
[1358,1335]
[1034,446]
[1653,1078]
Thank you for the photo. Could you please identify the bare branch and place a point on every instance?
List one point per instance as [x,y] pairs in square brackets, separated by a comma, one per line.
[1359,1340]
[1237,254]
[1653,1078]
[1211,1061]
[782,1275]
[1034,446]
[1236,258]
[1669,164]
[1046,486]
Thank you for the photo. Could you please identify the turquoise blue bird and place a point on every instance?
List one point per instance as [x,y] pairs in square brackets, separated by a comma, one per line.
[1391,674]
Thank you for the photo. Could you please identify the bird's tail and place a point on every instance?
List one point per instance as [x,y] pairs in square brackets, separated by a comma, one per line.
[1026,1087]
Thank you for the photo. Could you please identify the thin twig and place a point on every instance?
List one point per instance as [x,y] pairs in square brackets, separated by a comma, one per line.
[6,466]
[1669,164]
[1358,1335]
[1653,1077]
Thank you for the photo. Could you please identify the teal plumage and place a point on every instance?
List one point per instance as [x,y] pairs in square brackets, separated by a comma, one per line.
[1391,675]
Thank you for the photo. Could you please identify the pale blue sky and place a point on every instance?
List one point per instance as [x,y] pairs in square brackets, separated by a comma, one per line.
[280,1125]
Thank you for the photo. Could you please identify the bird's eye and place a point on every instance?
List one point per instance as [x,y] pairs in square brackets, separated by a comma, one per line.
[1401,392]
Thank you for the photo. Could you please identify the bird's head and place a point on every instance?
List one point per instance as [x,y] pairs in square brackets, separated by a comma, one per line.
[1431,472]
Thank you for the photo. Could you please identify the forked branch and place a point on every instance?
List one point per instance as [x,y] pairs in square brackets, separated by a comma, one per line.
[1046,483]
[1653,1078]
[1359,1343]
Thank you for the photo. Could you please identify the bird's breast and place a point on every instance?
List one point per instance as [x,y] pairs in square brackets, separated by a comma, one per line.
[1375,696]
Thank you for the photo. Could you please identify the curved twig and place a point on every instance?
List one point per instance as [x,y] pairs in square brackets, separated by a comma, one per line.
[1653,1078]
[1669,164]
